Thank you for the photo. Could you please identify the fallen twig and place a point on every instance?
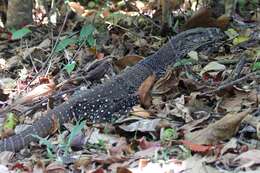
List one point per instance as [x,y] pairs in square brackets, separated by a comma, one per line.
[226,85]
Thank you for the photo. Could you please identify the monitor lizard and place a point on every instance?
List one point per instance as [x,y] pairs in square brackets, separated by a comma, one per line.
[120,94]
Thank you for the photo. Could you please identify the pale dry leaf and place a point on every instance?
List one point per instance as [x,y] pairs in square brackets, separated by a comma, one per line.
[144,125]
[140,112]
[197,164]
[147,153]
[213,66]
[240,99]
[96,136]
[248,158]
[44,44]
[6,157]
[231,145]
[3,64]
[39,91]
[181,110]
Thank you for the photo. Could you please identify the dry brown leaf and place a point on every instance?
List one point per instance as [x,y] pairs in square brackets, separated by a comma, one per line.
[222,129]
[119,148]
[241,98]
[203,18]
[98,170]
[144,91]
[128,60]
[144,144]
[82,163]
[123,170]
[6,133]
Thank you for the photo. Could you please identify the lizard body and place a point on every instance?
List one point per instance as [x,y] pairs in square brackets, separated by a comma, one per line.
[119,94]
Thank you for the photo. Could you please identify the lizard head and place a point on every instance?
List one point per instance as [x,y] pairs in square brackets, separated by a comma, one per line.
[180,45]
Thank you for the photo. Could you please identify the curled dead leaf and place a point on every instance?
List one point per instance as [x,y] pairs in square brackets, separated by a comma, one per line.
[55,167]
[128,60]
[144,91]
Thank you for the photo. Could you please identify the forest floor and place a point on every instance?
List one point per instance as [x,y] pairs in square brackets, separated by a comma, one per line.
[202,116]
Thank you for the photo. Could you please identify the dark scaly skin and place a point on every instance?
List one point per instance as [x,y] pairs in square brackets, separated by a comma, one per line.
[99,103]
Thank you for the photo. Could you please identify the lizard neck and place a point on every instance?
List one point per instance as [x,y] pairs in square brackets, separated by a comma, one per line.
[178,47]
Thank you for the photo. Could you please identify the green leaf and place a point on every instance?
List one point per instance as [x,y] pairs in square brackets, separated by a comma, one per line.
[70,67]
[184,62]
[43,141]
[86,31]
[231,33]
[11,121]
[64,43]
[76,129]
[257,52]
[115,17]
[91,41]
[47,143]
[256,66]
[18,34]
[91,4]
[169,134]
[240,39]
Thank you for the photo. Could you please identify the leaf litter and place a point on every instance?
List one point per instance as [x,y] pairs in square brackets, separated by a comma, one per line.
[193,119]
